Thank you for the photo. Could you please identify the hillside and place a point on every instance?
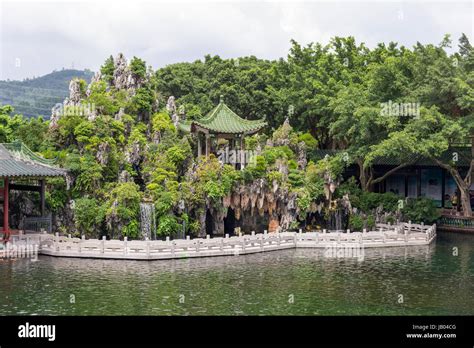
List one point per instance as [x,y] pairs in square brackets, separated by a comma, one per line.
[36,97]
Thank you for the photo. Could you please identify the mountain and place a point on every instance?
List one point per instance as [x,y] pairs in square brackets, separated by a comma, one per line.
[36,97]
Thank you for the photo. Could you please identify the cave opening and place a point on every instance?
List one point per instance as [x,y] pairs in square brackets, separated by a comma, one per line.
[209,223]
[230,222]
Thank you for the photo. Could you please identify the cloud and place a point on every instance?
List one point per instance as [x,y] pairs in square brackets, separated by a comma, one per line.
[56,34]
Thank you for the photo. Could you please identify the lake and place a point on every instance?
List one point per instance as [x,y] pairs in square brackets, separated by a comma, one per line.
[424,280]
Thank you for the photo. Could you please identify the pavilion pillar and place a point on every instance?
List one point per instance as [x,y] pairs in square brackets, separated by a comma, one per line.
[242,152]
[6,229]
[199,145]
[42,196]
[208,145]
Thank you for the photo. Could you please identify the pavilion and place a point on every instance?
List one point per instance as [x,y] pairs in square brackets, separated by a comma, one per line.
[221,123]
[422,178]
[22,170]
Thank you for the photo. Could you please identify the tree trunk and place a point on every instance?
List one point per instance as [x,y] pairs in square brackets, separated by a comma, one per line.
[466,202]
[463,185]
[363,176]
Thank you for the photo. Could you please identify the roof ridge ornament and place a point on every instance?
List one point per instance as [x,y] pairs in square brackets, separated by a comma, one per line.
[221,99]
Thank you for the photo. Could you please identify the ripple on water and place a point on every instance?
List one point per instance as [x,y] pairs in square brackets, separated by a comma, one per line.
[291,282]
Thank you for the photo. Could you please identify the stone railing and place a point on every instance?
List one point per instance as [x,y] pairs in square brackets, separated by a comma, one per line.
[399,235]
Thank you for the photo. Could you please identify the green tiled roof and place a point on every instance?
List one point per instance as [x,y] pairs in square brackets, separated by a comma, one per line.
[17,160]
[464,157]
[223,120]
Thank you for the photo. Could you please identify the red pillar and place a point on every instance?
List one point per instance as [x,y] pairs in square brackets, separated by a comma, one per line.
[6,229]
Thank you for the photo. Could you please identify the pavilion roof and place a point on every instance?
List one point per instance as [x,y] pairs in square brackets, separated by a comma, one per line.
[223,120]
[17,160]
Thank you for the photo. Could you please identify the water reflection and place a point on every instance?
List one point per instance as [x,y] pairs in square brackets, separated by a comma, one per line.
[431,279]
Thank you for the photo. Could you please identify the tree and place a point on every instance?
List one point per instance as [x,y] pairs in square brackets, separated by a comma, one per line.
[432,135]
[107,70]
[138,68]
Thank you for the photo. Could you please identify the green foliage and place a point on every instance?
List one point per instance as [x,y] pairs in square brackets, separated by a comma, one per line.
[369,201]
[271,154]
[356,223]
[123,209]
[331,166]
[168,226]
[132,229]
[420,210]
[90,176]
[165,201]
[161,122]
[103,99]
[303,201]
[56,195]
[176,154]
[107,70]
[370,222]
[350,187]
[285,135]
[32,133]
[309,140]
[296,178]
[331,94]
[138,67]
[213,180]
[252,142]
[16,127]
[142,100]
[257,170]
[314,182]
[274,176]
[89,215]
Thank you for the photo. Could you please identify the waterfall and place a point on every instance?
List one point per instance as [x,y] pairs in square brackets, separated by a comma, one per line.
[335,220]
[147,221]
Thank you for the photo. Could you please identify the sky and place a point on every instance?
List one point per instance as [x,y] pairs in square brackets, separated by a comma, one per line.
[37,37]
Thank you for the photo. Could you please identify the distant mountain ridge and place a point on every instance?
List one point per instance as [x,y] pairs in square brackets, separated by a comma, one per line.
[36,96]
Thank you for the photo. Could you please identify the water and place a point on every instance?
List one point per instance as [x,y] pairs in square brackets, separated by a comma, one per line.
[431,280]
[147,220]
[336,220]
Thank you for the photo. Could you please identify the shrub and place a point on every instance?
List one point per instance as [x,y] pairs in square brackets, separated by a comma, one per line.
[162,122]
[356,223]
[89,214]
[138,67]
[420,210]
[368,201]
[167,225]
[280,152]
[370,222]
[309,140]
[123,207]
[257,170]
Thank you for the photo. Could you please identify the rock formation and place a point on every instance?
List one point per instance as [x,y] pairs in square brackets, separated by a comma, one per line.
[73,100]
